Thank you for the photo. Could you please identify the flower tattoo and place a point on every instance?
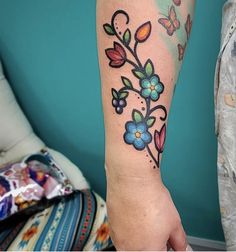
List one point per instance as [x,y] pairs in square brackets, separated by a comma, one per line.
[117,55]
[137,134]
[149,88]
[152,88]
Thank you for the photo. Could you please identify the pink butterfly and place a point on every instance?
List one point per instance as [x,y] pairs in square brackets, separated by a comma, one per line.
[170,23]
[188,26]
[177,2]
[181,50]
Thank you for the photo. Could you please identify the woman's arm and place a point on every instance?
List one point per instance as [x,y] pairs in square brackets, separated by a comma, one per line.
[141,46]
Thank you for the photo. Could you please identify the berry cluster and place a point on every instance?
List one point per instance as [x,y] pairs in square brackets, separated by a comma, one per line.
[119,100]
[119,104]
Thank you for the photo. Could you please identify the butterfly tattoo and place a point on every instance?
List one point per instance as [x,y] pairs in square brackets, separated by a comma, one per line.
[177,2]
[170,23]
[188,26]
[181,50]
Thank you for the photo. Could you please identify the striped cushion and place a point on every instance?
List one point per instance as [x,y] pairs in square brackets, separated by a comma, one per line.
[78,222]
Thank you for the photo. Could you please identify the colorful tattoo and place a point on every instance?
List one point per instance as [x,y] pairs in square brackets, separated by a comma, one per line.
[170,22]
[150,88]
[177,2]
[188,26]
[181,50]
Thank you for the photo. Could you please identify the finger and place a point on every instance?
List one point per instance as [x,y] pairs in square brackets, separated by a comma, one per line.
[168,246]
[177,240]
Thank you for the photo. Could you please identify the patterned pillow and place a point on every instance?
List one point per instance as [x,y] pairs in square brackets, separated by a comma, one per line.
[30,185]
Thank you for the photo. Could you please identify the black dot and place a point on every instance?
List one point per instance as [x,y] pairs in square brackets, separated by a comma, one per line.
[150,161]
[143,108]
[142,102]
[154,167]
[116,28]
[138,97]
[120,33]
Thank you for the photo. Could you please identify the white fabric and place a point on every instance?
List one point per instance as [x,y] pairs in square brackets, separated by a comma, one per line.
[225,111]
[17,138]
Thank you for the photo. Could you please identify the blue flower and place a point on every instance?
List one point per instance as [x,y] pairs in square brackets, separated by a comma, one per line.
[137,134]
[152,88]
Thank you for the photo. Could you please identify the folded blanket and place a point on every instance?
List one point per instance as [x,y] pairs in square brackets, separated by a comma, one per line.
[78,222]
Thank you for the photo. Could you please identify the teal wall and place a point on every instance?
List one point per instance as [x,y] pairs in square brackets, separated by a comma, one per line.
[49,52]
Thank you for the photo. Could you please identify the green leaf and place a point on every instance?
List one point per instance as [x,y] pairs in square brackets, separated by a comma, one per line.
[137,116]
[126,82]
[149,68]
[150,121]
[127,37]
[114,93]
[123,95]
[138,74]
[108,29]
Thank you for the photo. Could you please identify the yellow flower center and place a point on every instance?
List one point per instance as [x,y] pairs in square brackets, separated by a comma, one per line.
[138,134]
[152,87]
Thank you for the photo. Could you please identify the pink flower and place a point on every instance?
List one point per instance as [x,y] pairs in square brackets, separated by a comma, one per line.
[159,138]
[117,55]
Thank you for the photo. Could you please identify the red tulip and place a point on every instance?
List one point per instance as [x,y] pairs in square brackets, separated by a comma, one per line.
[117,55]
[159,138]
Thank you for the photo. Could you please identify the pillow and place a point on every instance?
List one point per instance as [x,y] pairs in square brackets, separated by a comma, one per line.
[34,179]
[18,139]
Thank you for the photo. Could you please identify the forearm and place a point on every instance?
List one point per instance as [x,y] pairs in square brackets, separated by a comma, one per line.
[126,156]
[140,45]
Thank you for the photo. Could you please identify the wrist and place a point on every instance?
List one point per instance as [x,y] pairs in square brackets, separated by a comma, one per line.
[133,174]
[126,186]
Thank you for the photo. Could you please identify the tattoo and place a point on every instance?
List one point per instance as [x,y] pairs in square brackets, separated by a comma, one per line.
[181,50]
[149,89]
[170,22]
[177,2]
[188,26]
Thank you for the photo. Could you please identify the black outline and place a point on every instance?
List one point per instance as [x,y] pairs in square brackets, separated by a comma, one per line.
[141,26]
[138,67]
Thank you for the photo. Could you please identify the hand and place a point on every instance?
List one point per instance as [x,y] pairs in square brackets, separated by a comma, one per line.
[142,216]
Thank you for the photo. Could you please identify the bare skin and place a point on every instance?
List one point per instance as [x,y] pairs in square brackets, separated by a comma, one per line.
[141,213]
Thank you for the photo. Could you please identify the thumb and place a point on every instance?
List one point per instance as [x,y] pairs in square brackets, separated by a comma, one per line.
[178,241]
